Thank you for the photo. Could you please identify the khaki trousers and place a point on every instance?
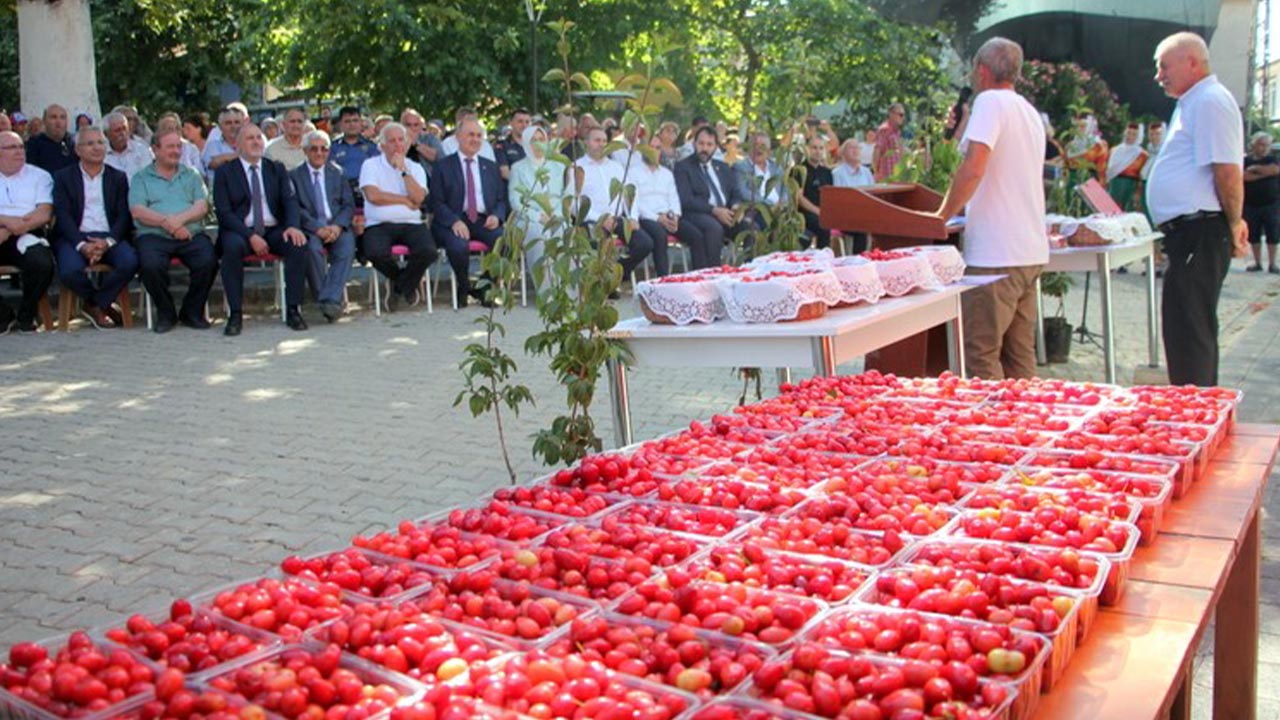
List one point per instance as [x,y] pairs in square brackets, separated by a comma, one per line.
[999,324]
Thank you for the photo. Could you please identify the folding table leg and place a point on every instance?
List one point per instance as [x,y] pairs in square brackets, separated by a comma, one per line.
[621,402]
[1042,354]
[1108,320]
[1153,323]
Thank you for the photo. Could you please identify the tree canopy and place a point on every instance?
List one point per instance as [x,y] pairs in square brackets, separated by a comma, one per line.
[761,59]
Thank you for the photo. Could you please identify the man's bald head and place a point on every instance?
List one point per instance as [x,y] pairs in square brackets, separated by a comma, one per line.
[1182,60]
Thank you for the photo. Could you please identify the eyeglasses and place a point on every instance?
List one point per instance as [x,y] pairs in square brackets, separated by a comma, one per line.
[317,148]
[12,147]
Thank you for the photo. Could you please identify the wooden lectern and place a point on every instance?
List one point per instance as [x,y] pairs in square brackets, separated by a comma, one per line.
[895,215]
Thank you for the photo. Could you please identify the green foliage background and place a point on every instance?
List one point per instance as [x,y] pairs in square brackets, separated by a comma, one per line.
[758,59]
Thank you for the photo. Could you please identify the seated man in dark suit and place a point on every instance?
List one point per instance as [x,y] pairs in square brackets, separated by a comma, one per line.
[91,204]
[709,191]
[327,206]
[469,203]
[258,213]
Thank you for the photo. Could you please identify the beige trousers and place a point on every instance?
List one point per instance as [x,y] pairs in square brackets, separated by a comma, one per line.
[1000,324]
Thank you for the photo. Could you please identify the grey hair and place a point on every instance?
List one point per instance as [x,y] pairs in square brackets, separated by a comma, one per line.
[229,112]
[88,129]
[1260,136]
[113,117]
[1187,42]
[1002,56]
[316,135]
[382,135]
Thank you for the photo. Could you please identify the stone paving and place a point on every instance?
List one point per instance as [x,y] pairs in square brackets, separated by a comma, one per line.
[136,468]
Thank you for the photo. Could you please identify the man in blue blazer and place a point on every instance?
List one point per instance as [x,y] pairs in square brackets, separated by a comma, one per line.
[710,192]
[326,206]
[272,226]
[91,205]
[468,202]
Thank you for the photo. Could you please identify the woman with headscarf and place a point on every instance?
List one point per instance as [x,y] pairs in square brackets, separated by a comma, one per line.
[1087,151]
[1124,168]
[531,177]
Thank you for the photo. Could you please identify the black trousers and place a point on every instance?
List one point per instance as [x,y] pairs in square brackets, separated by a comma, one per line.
[1199,255]
[638,248]
[459,250]
[155,252]
[686,234]
[814,231]
[378,240]
[35,269]
[234,248]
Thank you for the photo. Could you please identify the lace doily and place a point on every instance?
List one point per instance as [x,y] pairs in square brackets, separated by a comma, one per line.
[945,261]
[779,298]
[859,280]
[903,275]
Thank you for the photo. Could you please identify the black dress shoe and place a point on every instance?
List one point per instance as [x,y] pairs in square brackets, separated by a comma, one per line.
[462,298]
[162,326]
[293,318]
[195,323]
[114,313]
[235,323]
[480,297]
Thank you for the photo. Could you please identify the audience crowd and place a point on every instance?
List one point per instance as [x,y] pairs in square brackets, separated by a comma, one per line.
[100,203]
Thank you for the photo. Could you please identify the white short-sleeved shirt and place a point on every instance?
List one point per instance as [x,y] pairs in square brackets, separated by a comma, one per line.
[137,155]
[1206,129]
[1004,225]
[376,171]
[21,192]
[598,177]
[655,190]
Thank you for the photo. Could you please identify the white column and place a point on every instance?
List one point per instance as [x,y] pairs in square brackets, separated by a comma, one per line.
[55,57]
[1229,48]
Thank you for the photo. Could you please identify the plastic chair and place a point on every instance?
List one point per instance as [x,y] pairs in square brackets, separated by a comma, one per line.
[277,264]
[475,249]
[399,252]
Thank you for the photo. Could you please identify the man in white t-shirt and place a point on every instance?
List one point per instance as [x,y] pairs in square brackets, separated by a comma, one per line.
[1195,194]
[394,190]
[998,183]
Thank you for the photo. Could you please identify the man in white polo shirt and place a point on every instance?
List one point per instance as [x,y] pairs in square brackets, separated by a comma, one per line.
[394,190]
[26,206]
[999,180]
[1195,194]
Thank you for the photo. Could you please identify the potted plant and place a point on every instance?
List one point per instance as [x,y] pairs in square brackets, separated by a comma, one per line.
[1057,331]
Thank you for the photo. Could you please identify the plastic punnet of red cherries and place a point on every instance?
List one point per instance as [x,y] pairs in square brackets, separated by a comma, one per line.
[862,547]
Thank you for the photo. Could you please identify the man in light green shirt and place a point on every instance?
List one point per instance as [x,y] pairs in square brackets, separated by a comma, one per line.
[169,202]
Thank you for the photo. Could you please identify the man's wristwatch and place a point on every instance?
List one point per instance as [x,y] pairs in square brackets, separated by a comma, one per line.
[404,173]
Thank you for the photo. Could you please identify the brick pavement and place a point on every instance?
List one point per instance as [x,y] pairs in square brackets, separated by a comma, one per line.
[136,468]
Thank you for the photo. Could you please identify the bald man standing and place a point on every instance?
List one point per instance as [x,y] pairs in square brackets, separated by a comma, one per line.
[1195,194]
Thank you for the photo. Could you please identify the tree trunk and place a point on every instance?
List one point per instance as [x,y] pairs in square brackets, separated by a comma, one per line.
[55,57]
